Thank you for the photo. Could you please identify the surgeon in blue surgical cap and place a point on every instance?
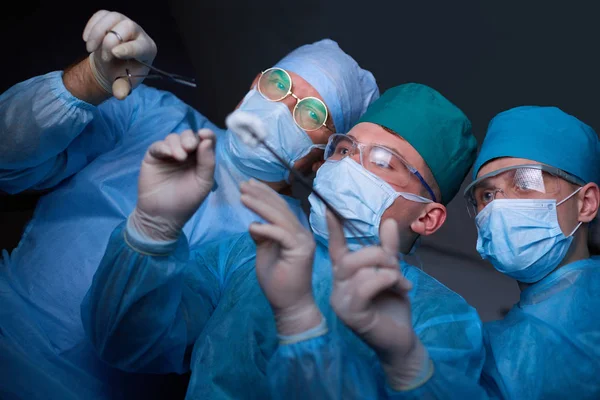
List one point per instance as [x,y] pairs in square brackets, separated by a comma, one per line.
[534,194]
[64,131]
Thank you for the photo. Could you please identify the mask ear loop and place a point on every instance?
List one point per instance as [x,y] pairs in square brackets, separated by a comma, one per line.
[569,196]
[565,199]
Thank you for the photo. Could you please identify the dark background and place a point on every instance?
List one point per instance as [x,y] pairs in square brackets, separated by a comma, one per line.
[485,56]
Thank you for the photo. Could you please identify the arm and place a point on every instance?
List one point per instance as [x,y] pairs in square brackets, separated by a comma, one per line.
[51,127]
[147,305]
[321,363]
[141,313]
[453,339]
[318,364]
[427,340]
[309,362]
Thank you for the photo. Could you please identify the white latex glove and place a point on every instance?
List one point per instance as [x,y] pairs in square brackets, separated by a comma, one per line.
[284,257]
[108,55]
[175,178]
[370,295]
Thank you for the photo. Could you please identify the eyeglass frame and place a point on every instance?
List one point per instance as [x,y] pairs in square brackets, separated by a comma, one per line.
[408,166]
[298,100]
[557,172]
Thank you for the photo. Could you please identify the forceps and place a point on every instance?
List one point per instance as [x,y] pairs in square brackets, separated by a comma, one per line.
[158,74]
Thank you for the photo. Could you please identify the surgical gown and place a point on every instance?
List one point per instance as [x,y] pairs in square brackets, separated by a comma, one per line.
[548,345]
[204,310]
[90,156]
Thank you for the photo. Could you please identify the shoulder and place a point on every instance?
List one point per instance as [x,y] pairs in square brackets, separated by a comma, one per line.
[428,289]
[434,304]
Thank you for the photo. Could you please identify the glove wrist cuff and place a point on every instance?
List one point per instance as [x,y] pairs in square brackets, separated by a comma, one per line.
[295,320]
[319,330]
[153,229]
[414,370]
[104,83]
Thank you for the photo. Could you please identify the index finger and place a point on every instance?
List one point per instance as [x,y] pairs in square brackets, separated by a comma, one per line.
[95,18]
[337,241]
[98,32]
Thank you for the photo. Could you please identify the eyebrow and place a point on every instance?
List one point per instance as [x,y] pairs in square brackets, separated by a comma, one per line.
[489,183]
[485,185]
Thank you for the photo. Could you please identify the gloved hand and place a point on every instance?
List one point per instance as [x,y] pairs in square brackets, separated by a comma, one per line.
[175,178]
[284,257]
[370,295]
[108,54]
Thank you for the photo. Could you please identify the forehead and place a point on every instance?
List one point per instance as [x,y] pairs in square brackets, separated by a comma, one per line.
[503,162]
[302,88]
[370,133]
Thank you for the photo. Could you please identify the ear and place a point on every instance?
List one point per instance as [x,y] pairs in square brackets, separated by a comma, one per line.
[431,219]
[589,200]
[317,165]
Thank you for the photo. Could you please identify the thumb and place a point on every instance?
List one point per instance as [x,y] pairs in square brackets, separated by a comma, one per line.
[121,88]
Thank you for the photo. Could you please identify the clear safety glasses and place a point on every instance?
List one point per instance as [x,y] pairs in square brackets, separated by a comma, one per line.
[380,160]
[533,181]
[310,113]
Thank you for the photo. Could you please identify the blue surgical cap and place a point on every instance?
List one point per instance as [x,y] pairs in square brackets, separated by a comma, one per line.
[346,88]
[546,135]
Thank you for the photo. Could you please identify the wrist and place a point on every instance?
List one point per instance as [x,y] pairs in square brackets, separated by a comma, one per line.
[300,317]
[79,80]
[317,331]
[410,370]
[153,228]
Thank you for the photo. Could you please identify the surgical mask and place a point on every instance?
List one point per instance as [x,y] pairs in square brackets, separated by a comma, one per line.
[522,238]
[358,195]
[283,135]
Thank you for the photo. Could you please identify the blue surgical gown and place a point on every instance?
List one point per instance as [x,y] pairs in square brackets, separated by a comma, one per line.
[90,156]
[548,345]
[204,310]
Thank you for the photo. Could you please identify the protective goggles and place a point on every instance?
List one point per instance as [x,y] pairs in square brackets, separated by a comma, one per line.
[532,181]
[310,113]
[380,160]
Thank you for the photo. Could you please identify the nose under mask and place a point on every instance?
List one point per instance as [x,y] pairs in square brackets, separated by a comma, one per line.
[522,238]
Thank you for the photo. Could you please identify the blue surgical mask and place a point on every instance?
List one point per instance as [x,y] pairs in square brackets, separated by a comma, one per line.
[283,135]
[358,195]
[522,238]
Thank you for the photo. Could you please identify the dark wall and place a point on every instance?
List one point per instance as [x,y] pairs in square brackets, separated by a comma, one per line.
[485,56]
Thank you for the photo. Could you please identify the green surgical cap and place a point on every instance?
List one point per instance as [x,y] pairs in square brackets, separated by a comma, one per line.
[435,127]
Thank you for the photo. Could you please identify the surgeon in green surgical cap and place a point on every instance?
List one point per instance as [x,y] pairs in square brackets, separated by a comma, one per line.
[359,323]
[534,194]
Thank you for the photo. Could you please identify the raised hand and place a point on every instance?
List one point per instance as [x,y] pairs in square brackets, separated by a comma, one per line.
[284,258]
[112,39]
[370,295]
[175,178]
